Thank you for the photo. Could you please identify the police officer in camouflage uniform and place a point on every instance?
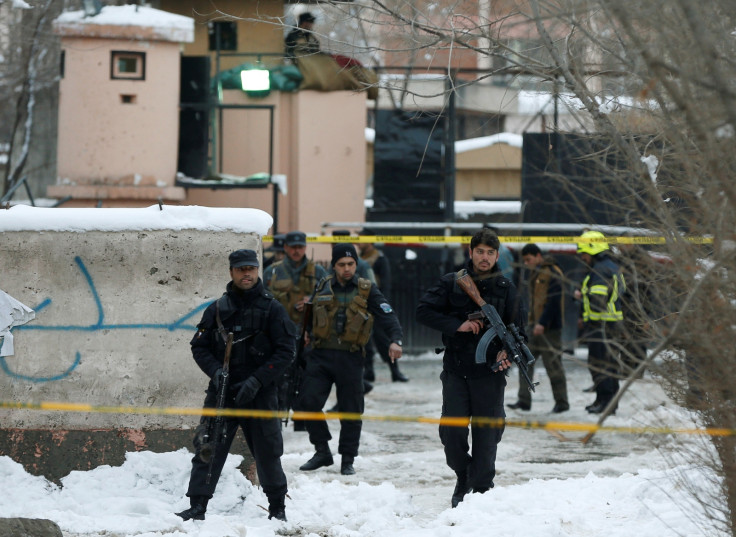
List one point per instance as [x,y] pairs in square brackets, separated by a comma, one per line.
[263,346]
[469,389]
[344,310]
[293,279]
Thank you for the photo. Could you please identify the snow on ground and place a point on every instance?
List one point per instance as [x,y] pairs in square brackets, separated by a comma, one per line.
[617,485]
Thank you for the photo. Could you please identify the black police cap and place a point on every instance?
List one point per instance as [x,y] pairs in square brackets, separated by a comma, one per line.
[278,243]
[243,258]
[295,238]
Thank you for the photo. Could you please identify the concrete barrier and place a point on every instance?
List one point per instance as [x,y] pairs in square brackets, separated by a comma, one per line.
[117,294]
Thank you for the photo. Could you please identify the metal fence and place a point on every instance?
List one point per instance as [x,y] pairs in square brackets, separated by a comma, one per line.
[412,277]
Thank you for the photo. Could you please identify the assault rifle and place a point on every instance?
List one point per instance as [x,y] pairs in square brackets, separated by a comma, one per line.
[509,335]
[216,432]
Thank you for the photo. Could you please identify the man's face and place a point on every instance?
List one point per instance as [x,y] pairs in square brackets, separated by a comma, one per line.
[587,259]
[532,261]
[364,248]
[484,258]
[345,269]
[244,278]
[295,252]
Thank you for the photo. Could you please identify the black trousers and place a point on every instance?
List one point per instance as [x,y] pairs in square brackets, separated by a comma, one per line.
[472,397]
[602,359]
[264,440]
[344,369]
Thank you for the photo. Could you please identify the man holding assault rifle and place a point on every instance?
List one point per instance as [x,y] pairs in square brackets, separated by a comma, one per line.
[243,343]
[479,346]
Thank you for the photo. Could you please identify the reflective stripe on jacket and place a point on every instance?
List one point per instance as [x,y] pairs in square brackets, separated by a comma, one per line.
[601,290]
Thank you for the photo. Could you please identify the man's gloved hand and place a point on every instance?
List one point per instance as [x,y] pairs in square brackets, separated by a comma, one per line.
[217,379]
[247,390]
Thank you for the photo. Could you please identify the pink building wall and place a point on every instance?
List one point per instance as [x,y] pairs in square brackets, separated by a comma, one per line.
[319,144]
[118,138]
[125,154]
[112,139]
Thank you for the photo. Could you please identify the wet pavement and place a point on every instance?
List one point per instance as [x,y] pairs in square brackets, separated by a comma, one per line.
[409,454]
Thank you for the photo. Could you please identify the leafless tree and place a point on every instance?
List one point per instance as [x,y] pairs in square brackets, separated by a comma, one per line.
[653,86]
[28,91]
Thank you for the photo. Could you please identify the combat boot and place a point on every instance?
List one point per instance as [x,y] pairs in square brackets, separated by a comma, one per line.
[323,457]
[462,487]
[346,465]
[197,510]
[600,407]
[277,509]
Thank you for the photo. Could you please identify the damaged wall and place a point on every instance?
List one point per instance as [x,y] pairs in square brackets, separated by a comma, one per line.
[115,311]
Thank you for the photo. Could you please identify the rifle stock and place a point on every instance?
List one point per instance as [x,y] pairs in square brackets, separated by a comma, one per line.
[467,284]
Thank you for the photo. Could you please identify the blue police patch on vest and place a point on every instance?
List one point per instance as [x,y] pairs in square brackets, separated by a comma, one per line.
[386,307]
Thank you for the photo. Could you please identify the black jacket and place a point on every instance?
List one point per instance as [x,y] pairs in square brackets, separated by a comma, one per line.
[263,336]
[445,306]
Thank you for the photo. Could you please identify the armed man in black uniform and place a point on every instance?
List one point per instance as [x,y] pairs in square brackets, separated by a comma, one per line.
[344,309]
[469,389]
[262,348]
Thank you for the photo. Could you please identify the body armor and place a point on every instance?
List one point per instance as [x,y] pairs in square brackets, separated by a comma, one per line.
[289,293]
[341,321]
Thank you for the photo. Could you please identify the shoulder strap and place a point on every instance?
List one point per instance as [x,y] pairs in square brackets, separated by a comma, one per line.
[220,327]
[364,287]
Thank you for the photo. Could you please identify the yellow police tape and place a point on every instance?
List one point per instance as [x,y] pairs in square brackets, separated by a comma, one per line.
[552,426]
[441,239]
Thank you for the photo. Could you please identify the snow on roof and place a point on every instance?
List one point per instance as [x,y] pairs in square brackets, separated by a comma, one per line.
[514,140]
[160,24]
[465,209]
[509,138]
[173,217]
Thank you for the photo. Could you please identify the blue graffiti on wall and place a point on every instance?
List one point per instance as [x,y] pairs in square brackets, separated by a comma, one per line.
[178,324]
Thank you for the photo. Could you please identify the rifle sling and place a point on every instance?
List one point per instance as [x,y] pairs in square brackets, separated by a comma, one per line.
[220,327]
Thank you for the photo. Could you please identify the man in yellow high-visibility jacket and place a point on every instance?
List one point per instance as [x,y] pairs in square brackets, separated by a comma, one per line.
[600,293]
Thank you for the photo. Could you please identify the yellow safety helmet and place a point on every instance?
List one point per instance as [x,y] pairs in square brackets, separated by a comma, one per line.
[592,248]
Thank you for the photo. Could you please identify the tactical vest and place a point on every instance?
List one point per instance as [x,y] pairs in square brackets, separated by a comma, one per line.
[251,345]
[341,321]
[287,292]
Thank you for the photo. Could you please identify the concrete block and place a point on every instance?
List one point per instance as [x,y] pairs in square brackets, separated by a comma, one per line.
[115,311]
